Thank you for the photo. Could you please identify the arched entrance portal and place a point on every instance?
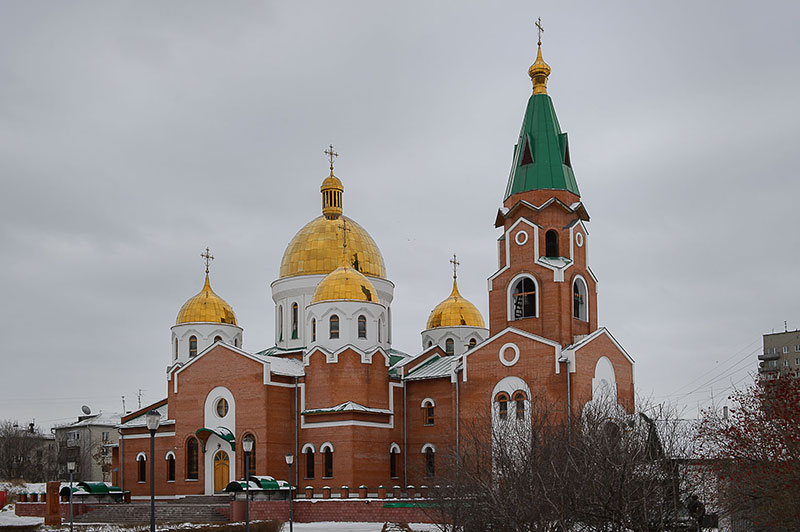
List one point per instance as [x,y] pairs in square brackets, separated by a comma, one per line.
[221,471]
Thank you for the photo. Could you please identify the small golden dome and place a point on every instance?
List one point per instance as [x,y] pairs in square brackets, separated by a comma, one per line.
[345,283]
[317,249]
[539,72]
[455,311]
[332,190]
[206,307]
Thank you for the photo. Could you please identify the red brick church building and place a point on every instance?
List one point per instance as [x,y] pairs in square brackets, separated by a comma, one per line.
[334,392]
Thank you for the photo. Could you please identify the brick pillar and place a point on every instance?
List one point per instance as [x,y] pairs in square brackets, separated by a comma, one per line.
[52,512]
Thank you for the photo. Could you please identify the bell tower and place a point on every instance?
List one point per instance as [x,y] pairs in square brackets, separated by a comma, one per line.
[543,285]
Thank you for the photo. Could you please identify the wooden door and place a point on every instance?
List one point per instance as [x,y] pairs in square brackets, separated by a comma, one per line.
[221,471]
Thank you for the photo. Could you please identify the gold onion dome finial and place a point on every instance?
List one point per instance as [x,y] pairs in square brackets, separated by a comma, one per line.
[206,306]
[539,70]
[455,310]
[345,282]
[332,190]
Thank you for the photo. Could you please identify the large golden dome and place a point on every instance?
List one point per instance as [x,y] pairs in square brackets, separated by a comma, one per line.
[345,283]
[317,249]
[206,307]
[455,311]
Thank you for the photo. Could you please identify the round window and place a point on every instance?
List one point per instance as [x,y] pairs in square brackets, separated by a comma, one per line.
[222,408]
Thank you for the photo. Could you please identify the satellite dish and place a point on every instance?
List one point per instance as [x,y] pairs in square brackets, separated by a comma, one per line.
[86,410]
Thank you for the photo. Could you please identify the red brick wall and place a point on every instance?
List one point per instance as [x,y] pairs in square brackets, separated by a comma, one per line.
[305,511]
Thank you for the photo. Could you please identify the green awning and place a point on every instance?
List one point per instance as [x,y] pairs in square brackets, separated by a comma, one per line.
[264,483]
[98,487]
[224,433]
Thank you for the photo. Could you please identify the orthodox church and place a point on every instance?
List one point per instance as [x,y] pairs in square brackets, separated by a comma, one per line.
[332,390]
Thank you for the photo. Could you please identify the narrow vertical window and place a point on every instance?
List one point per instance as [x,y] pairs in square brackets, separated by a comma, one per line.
[502,406]
[309,463]
[328,462]
[236,342]
[551,243]
[191,458]
[430,466]
[192,346]
[449,346]
[379,331]
[362,326]
[280,323]
[141,461]
[579,300]
[294,321]
[313,329]
[393,463]
[334,327]
[176,349]
[523,298]
[519,404]
[251,461]
[171,468]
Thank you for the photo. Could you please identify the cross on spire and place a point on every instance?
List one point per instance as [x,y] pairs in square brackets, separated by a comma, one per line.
[455,263]
[344,230]
[541,29]
[332,155]
[207,257]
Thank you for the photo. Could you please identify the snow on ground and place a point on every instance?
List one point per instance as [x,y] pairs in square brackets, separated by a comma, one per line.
[353,527]
[31,487]
[9,518]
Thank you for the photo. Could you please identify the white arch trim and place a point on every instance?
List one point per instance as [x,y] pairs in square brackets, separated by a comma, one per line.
[169,455]
[141,456]
[308,447]
[585,294]
[325,446]
[510,291]
[428,401]
[428,446]
[394,448]
[510,385]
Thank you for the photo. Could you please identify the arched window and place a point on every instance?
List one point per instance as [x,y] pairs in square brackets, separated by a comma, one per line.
[218,339]
[551,243]
[334,327]
[192,346]
[394,450]
[430,343]
[502,405]
[519,404]
[170,467]
[141,462]
[428,411]
[308,450]
[294,321]
[472,342]
[449,346]
[379,330]
[523,298]
[362,326]
[176,349]
[192,452]
[430,466]
[236,342]
[251,461]
[280,323]
[579,310]
[327,453]
[313,329]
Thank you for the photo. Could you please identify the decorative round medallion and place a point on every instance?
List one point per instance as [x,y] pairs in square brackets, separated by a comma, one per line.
[504,354]
[222,407]
[521,238]
[579,239]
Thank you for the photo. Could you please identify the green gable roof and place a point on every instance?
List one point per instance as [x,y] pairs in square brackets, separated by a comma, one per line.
[541,156]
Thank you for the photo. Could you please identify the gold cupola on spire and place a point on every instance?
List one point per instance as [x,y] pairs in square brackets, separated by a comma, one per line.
[539,70]
[206,306]
[332,190]
[455,311]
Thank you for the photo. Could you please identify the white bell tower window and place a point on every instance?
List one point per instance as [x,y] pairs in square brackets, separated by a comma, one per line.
[580,309]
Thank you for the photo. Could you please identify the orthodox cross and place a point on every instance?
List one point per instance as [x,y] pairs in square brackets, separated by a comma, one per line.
[344,230]
[332,155]
[541,29]
[208,257]
[455,263]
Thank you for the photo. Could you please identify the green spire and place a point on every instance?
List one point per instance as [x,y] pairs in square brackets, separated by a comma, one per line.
[541,156]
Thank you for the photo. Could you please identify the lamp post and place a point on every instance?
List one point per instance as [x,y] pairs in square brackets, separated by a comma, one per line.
[71,469]
[289,460]
[153,420]
[247,446]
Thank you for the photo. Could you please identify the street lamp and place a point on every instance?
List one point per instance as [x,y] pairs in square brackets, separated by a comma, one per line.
[247,446]
[71,469]
[153,420]
[289,460]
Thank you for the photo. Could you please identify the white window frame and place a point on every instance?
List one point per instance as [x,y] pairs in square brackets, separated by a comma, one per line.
[510,296]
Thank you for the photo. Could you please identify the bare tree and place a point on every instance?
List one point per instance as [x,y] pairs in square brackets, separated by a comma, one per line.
[25,453]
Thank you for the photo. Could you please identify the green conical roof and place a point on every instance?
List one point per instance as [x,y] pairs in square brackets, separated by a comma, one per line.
[541,156]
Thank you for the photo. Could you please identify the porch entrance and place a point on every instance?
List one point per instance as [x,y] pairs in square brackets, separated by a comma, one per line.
[221,471]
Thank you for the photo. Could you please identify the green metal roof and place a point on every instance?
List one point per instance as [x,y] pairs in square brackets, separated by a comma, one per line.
[541,156]
[222,432]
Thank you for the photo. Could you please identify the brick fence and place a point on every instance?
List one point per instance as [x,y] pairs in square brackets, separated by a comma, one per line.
[347,510]
[38,509]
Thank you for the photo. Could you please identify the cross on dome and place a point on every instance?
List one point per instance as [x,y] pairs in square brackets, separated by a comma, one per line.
[456,264]
[332,155]
[207,257]
[541,29]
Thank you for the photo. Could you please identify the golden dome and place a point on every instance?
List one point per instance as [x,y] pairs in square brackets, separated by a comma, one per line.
[539,72]
[345,283]
[317,249]
[455,311]
[206,307]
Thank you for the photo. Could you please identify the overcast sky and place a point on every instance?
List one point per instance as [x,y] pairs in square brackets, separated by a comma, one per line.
[135,134]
